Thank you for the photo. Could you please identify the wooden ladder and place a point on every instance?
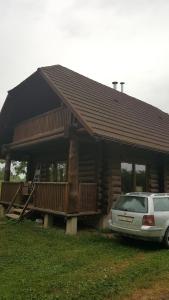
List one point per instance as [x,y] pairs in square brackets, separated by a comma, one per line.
[19,213]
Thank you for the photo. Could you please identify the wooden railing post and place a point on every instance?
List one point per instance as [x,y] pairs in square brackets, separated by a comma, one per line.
[30,170]
[73,174]
[7,167]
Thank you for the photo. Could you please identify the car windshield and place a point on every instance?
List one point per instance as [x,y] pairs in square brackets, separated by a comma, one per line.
[132,204]
[161,204]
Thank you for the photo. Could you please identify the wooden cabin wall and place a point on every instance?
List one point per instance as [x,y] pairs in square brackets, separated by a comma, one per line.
[116,180]
[153,179]
[87,163]
[166,177]
[99,173]
[111,178]
[100,163]
[113,155]
[111,187]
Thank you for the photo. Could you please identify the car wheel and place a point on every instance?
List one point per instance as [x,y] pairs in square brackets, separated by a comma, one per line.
[166,239]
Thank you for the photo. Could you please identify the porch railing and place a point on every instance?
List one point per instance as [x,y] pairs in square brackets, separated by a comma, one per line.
[8,190]
[49,123]
[53,196]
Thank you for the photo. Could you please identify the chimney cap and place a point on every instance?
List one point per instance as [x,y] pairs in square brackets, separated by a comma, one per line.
[122,86]
[115,82]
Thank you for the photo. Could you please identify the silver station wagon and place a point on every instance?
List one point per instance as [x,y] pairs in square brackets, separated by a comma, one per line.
[142,215]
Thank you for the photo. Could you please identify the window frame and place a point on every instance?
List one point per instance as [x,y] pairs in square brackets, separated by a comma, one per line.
[55,164]
[134,174]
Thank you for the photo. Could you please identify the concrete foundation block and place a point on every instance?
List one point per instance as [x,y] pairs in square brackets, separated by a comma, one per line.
[48,221]
[71,226]
[2,211]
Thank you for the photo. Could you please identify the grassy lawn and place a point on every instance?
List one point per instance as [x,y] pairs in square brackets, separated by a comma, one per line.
[45,264]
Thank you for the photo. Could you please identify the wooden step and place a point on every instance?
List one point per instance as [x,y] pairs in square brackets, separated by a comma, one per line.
[19,210]
[13,216]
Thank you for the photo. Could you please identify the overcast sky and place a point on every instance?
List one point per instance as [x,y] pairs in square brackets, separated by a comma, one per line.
[106,40]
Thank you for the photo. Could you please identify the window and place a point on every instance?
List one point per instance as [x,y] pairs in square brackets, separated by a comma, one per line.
[126,177]
[140,171]
[133,177]
[132,204]
[58,172]
[161,204]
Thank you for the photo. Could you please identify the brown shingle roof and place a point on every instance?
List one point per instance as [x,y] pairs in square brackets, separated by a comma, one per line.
[110,114]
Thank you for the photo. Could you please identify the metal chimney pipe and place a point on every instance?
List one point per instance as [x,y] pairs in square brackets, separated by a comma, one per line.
[122,86]
[115,84]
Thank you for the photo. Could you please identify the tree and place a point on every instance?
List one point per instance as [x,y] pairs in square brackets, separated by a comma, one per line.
[18,170]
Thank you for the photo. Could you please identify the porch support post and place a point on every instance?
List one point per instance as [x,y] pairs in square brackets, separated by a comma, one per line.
[7,168]
[71,226]
[29,174]
[73,174]
[48,221]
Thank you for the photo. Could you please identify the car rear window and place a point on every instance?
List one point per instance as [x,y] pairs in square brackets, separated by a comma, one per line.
[132,204]
[161,204]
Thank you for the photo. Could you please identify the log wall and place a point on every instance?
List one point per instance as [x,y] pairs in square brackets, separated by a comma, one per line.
[111,171]
[87,163]
[153,178]
[166,178]
[87,197]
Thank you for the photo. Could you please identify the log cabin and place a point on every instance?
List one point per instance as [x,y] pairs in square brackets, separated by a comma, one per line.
[84,143]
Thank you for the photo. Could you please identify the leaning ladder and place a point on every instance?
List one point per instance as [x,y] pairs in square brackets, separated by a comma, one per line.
[21,211]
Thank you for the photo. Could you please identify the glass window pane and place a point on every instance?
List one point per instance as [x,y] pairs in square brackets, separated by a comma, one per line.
[132,204]
[140,178]
[52,176]
[161,204]
[126,177]
[58,172]
[61,172]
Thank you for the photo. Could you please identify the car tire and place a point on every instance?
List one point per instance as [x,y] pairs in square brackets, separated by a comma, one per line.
[166,239]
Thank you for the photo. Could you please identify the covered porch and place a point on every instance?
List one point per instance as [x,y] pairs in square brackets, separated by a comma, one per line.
[61,175]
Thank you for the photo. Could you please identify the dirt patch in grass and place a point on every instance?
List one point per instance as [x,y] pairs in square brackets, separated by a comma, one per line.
[158,290]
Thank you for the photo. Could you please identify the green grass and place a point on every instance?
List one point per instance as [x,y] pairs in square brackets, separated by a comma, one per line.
[45,264]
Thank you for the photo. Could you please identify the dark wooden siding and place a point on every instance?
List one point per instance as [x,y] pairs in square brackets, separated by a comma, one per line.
[8,190]
[87,197]
[166,178]
[50,123]
[113,155]
[116,180]
[153,174]
[87,163]
[52,196]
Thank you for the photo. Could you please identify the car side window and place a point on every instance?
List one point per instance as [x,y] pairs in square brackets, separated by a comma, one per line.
[161,204]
